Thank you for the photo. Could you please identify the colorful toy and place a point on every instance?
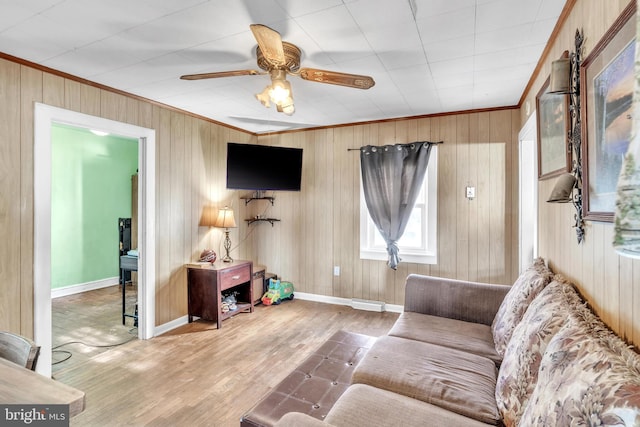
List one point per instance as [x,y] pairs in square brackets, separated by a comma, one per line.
[277,291]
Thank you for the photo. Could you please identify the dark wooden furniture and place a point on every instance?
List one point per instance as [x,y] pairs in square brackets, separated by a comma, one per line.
[260,282]
[206,284]
[314,386]
[257,282]
[23,386]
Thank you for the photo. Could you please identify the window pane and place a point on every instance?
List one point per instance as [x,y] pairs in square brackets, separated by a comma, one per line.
[412,237]
[413,234]
[378,241]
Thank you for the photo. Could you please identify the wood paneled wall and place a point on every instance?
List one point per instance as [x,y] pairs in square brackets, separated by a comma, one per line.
[609,282]
[190,175]
[320,224]
[477,239]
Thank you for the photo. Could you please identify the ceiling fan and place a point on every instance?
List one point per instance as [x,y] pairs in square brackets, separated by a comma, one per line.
[279,58]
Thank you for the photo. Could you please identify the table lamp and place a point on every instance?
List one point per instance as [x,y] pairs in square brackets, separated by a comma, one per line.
[225,220]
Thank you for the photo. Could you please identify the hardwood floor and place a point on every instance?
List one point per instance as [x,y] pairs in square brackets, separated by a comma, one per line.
[197,375]
[86,324]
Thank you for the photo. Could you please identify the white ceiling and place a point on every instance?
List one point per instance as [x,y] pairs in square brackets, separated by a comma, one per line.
[426,56]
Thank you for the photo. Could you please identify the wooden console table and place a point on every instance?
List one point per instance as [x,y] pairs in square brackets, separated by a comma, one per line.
[207,282]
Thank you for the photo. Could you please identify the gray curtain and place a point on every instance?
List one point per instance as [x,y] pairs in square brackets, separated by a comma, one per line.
[391,178]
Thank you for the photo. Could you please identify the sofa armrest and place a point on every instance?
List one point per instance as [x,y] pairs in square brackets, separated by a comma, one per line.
[298,419]
[455,299]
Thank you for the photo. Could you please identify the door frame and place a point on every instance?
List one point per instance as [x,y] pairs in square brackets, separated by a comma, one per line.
[45,117]
[528,191]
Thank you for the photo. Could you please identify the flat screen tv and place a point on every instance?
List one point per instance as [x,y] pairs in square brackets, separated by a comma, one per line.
[263,167]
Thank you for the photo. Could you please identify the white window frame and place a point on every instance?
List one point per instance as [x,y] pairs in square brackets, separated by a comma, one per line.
[428,252]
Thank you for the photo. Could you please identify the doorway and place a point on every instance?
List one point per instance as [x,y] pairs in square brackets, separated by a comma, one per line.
[45,117]
[528,203]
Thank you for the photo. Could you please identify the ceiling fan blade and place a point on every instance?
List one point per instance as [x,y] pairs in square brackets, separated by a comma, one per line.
[220,74]
[270,44]
[336,78]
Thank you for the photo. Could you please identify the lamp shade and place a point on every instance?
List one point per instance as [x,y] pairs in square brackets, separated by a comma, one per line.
[225,219]
[563,190]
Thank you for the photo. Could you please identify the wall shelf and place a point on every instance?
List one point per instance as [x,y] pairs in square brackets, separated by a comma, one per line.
[249,199]
[270,220]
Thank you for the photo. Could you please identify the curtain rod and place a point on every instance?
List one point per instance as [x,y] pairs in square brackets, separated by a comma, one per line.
[417,142]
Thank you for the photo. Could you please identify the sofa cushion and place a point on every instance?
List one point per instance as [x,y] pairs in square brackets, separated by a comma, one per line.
[588,376]
[519,370]
[472,337]
[362,404]
[365,405]
[515,303]
[456,380]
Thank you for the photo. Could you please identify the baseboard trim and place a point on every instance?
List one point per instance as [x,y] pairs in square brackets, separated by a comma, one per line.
[361,304]
[175,323]
[392,308]
[180,321]
[84,287]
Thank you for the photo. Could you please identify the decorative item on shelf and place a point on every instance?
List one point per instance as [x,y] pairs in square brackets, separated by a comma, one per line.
[568,188]
[226,220]
[563,190]
[208,255]
[560,78]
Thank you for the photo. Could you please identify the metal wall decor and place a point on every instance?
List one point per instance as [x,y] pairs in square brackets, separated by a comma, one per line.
[575,135]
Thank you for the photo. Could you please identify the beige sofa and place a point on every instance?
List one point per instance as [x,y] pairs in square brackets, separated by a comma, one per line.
[472,354]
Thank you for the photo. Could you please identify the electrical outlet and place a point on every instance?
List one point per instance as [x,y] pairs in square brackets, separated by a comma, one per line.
[471,192]
[336,270]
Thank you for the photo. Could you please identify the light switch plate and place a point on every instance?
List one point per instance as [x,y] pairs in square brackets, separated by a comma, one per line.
[471,192]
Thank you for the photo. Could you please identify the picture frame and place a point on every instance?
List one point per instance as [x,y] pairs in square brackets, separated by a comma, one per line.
[552,120]
[606,90]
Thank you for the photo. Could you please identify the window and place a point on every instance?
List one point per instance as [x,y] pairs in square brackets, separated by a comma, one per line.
[419,241]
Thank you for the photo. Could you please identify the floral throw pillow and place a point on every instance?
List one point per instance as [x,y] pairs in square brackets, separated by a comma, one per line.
[515,303]
[519,369]
[588,376]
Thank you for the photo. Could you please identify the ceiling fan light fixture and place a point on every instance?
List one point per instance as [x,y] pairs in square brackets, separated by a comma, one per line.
[280,90]
[279,58]
[289,110]
[263,96]
[287,107]
[282,96]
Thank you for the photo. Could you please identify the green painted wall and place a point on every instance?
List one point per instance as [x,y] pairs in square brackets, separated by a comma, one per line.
[90,190]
